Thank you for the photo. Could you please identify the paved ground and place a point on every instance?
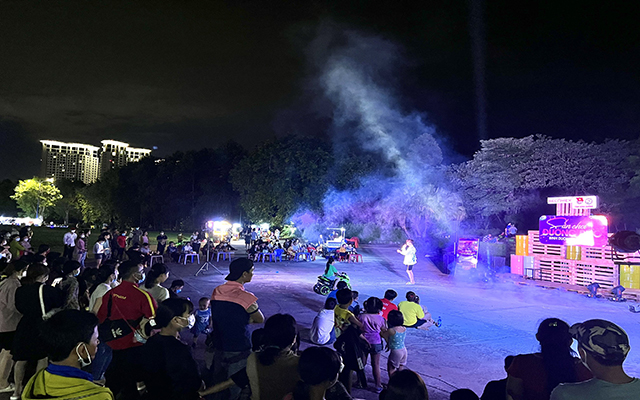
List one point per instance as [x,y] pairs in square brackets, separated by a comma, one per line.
[482,323]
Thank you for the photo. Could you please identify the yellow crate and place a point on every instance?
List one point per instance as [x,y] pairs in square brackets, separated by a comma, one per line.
[522,245]
[574,253]
[630,276]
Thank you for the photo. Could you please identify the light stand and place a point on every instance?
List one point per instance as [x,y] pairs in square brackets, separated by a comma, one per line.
[205,266]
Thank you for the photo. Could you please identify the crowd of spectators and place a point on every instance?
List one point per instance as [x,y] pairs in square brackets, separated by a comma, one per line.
[115,331]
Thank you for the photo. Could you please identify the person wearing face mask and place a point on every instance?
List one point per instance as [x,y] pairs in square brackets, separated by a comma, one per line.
[9,318]
[34,299]
[130,303]
[169,370]
[107,274]
[70,285]
[175,289]
[71,339]
[81,248]
[15,247]
[158,274]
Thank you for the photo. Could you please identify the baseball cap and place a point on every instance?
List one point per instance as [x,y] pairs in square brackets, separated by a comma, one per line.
[238,267]
[602,339]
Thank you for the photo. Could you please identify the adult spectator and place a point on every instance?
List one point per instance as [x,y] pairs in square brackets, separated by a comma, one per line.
[414,316]
[107,275]
[134,305]
[318,369]
[135,237]
[121,241]
[162,242]
[387,302]
[534,376]
[34,299]
[405,385]
[71,339]
[169,370]
[232,310]
[44,250]
[175,289]
[69,285]
[15,247]
[158,274]
[99,251]
[603,346]
[322,331]
[81,248]
[106,246]
[9,318]
[69,240]
[273,370]
[497,390]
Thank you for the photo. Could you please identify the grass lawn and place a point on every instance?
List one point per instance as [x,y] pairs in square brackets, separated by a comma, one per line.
[53,237]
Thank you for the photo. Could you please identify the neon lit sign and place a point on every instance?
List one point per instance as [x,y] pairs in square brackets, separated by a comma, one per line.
[581,230]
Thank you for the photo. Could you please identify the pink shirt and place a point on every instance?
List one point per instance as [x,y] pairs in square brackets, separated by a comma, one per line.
[372,325]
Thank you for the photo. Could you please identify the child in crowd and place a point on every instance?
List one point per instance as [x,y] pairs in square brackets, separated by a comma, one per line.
[395,337]
[322,328]
[355,306]
[341,285]
[373,325]
[176,288]
[203,319]
[186,248]
[387,304]
[330,271]
[343,318]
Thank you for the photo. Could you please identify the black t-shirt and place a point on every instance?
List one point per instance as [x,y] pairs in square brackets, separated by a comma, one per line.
[170,372]
[495,390]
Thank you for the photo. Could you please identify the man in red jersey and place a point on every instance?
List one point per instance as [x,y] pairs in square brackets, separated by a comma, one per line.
[134,305]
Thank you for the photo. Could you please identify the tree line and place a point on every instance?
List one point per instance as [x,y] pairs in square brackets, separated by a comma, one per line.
[317,183]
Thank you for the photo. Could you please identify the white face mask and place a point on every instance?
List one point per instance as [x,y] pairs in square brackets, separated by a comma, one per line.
[81,360]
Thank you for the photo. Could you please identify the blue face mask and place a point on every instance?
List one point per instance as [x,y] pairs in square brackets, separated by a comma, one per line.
[142,278]
[178,291]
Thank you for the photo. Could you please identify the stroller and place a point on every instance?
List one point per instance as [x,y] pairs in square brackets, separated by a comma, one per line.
[324,286]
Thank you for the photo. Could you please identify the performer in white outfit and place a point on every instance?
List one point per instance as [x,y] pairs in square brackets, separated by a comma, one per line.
[409,253]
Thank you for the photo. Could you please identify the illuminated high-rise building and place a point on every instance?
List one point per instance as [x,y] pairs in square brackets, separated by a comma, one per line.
[85,162]
[73,161]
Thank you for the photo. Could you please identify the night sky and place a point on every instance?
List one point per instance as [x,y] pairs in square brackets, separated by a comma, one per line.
[185,74]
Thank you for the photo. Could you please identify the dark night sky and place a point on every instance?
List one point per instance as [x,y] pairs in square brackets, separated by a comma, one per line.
[188,74]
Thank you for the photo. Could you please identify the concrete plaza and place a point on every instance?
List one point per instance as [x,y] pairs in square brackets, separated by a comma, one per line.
[482,322]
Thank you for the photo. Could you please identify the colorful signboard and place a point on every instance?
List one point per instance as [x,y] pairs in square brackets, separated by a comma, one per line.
[579,230]
[467,253]
[577,202]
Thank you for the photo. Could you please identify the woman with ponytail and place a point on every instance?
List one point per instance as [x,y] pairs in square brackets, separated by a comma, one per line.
[158,273]
[534,376]
[319,368]
[273,370]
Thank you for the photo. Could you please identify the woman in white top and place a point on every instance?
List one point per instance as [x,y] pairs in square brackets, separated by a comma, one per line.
[107,274]
[409,253]
[156,277]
